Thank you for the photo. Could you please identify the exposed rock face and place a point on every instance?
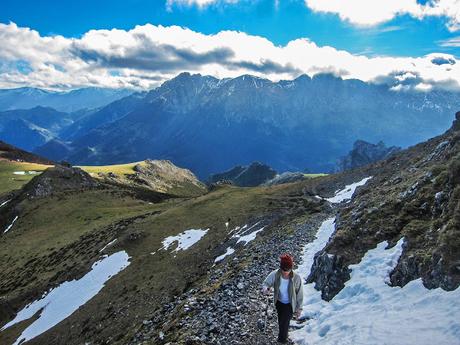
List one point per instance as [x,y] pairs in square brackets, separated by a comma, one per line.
[330,275]
[364,153]
[246,176]
[456,124]
[59,179]
[413,194]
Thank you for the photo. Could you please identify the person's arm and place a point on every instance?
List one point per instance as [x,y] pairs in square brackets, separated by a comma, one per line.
[268,282]
[299,300]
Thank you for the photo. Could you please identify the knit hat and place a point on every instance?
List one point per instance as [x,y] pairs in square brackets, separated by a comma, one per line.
[286,262]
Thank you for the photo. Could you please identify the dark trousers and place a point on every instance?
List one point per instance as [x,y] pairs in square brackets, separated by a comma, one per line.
[284,317]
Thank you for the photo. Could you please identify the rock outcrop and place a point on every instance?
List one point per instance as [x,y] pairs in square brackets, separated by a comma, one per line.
[58,179]
[364,153]
[246,176]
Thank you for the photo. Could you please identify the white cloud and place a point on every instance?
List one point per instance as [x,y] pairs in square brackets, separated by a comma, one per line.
[199,3]
[453,42]
[147,55]
[373,12]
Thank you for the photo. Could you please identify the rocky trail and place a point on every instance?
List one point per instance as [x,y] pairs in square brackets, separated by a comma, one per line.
[229,307]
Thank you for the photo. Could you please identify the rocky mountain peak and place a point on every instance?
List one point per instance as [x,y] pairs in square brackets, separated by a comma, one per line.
[364,153]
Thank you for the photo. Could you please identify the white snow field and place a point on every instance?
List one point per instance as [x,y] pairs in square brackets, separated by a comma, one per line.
[185,239]
[347,192]
[368,311]
[60,302]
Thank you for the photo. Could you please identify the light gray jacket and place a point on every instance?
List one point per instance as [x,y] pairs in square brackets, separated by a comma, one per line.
[295,288]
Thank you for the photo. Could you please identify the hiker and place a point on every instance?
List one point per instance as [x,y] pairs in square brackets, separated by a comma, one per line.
[288,294]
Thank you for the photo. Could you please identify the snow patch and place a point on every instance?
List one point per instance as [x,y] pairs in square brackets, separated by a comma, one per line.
[30,172]
[229,251]
[236,229]
[347,192]
[325,231]
[185,239]
[62,301]
[5,202]
[9,226]
[249,237]
[108,245]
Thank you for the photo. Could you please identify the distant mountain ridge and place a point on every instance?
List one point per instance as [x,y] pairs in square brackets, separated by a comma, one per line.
[208,125]
[70,101]
[29,128]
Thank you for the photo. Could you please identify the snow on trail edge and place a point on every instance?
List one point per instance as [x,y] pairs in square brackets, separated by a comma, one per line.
[367,310]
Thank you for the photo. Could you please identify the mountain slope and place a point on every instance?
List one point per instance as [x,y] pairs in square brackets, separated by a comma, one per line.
[415,195]
[194,264]
[29,128]
[108,220]
[17,167]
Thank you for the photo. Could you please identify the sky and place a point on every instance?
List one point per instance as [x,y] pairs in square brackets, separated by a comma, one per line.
[141,43]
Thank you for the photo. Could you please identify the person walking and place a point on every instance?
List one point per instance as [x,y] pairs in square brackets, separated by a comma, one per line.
[288,294]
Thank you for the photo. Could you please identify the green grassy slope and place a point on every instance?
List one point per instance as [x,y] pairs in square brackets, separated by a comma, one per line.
[10,181]
[58,238]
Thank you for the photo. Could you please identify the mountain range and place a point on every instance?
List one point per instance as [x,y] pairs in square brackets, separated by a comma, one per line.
[66,101]
[209,125]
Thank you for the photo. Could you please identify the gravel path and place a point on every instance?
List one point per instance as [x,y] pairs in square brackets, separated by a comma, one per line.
[229,308]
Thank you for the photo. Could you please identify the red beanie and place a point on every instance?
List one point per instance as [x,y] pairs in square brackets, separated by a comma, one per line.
[286,261]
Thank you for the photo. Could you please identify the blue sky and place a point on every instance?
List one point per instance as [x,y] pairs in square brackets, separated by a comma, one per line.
[388,28]
[402,36]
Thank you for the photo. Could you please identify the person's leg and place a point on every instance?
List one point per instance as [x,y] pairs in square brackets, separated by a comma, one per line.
[283,321]
[286,316]
[280,315]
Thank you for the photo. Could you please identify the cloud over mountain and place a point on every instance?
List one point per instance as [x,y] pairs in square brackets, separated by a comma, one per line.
[146,55]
